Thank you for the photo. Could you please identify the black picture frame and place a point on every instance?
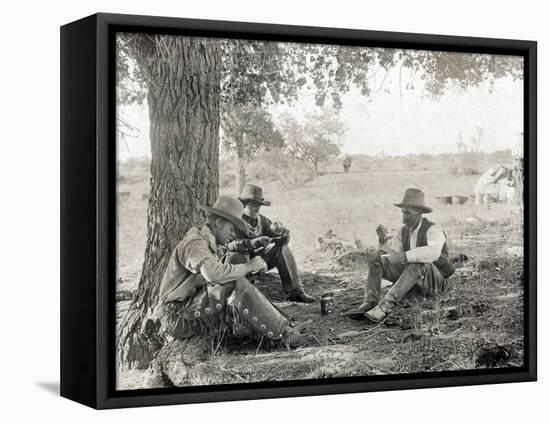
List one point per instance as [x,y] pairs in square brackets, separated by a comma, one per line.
[88,213]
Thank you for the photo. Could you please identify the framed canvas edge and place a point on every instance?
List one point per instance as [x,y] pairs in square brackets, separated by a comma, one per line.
[106,397]
[530,205]
[78,204]
[144,399]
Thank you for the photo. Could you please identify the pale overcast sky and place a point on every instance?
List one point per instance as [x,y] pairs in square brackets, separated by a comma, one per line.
[398,124]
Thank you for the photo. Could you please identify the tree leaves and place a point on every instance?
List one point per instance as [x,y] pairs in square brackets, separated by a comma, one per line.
[257,74]
[260,73]
[316,139]
[247,129]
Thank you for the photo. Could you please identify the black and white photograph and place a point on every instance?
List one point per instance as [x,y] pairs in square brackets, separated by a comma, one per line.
[293,211]
[285,211]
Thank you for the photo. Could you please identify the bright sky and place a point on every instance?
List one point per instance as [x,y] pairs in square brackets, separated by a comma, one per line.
[395,123]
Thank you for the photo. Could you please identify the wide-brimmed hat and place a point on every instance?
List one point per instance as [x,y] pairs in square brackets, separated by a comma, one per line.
[251,192]
[414,198]
[229,208]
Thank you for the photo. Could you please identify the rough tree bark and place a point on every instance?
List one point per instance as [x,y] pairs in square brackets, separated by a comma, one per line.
[183,82]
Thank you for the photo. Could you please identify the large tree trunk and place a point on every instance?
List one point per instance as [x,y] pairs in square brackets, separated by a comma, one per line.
[183,78]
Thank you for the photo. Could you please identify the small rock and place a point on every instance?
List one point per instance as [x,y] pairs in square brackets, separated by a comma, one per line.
[453,314]
[490,355]
[411,337]
[435,331]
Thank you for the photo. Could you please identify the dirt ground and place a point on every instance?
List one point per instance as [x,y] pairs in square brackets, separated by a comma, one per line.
[482,311]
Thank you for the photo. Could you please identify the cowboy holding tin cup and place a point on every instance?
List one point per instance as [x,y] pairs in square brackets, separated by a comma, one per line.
[419,261]
[268,240]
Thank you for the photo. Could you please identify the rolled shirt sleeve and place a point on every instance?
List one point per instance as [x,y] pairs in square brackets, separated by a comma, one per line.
[192,254]
[432,251]
[214,271]
[198,258]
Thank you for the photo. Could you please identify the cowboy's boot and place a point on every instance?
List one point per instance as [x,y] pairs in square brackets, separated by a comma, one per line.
[290,278]
[376,314]
[293,338]
[413,273]
[372,290]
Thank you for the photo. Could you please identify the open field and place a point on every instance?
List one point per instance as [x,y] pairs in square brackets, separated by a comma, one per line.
[484,306]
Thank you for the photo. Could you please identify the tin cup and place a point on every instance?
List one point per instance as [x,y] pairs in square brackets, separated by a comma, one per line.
[327,303]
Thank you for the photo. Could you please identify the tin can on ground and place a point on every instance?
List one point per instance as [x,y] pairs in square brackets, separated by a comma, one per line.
[327,303]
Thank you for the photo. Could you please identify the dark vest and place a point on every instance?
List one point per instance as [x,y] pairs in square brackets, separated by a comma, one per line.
[442,263]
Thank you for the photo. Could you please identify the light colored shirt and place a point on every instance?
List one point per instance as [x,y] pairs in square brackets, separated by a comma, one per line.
[196,254]
[429,253]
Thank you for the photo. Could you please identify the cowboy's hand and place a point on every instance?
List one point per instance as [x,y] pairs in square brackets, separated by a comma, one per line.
[397,258]
[239,246]
[262,241]
[257,265]
[277,228]
[382,233]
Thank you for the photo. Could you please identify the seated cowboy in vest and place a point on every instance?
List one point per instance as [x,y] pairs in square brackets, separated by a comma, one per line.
[198,283]
[419,260]
[268,240]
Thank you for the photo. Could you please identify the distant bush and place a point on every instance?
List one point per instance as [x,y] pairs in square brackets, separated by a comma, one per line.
[268,166]
[464,170]
[500,156]
[359,161]
[471,171]
[274,165]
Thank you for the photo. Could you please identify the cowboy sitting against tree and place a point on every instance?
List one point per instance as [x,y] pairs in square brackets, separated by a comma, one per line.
[198,283]
[419,260]
[267,240]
